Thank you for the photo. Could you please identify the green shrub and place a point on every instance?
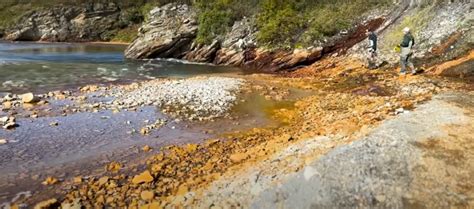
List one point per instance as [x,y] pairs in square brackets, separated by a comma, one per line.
[214,19]
[126,35]
[217,16]
[415,22]
[145,10]
[279,22]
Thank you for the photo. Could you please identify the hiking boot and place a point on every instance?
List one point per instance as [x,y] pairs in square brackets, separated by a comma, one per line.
[414,72]
[403,73]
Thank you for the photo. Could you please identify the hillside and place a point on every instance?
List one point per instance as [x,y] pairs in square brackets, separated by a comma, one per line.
[269,35]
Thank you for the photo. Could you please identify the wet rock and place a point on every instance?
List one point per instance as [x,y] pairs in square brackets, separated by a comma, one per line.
[153,205]
[76,204]
[4,120]
[103,180]
[42,102]
[51,203]
[3,141]
[114,167]
[54,124]
[146,148]
[50,181]
[183,189]
[147,195]
[9,97]
[10,125]
[238,157]
[29,98]
[7,105]
[60,96]
[144,131]
[400,111]
[144,177]
[77,179]
[89,88]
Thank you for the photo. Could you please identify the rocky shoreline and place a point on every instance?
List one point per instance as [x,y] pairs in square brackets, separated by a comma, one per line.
[195,99]
[198,98]
[338,107]
[70,129]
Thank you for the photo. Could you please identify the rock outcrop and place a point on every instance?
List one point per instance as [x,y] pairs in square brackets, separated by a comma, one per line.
[169,33]
[90,22]
[171,30]
[442,31]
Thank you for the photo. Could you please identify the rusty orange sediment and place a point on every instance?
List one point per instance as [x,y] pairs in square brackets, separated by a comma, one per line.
[439,69]
[345,102]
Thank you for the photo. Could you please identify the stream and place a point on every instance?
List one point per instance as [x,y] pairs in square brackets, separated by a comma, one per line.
[84,142]
[42,67]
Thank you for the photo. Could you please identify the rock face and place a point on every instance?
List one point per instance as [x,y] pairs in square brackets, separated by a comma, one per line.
[266,60]
[241,39]
[444,32]
[90,22]
[169,33]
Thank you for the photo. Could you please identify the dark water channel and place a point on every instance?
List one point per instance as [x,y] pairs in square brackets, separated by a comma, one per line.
[41,67]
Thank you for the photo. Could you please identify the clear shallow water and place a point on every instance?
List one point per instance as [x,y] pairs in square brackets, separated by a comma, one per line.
[41,67]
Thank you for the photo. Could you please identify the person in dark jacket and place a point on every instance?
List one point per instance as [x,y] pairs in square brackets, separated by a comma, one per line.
[371,59]
[406,52]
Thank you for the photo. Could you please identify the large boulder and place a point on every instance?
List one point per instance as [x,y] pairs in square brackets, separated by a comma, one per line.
[169,33]
[203,53]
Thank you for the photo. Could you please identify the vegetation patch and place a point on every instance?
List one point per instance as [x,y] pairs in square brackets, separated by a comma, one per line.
[416,22]
[294,24]
[217,16]
[126,35]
